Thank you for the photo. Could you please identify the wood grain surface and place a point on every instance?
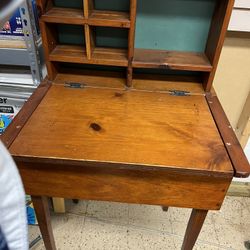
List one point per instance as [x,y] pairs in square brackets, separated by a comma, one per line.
[24,114]
[64,15]
[234,149]
[195,224]
[97,55]
[159,186]
[43,216]
[149,58]
[133,127]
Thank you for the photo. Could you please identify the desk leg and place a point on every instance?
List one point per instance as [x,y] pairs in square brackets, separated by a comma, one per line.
[165,209]
[43,217]
[195,223]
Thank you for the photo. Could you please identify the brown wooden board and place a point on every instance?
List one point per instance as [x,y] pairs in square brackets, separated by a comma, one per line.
[124,126]
[234,149]
[149,58]
[22,117]
[164,187]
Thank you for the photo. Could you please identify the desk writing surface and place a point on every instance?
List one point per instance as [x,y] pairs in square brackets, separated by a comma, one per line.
[124,126]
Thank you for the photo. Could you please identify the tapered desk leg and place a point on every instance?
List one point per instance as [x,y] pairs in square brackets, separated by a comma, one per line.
[43,217]
[195,223]
[165,209]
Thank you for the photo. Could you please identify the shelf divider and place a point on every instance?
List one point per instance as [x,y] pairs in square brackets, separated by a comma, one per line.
[131,41]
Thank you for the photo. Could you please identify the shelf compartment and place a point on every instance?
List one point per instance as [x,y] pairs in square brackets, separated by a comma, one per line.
[100,56]
[64,15]
[115,5]
[109,56]
[176,60]
[109,19]
[68,53]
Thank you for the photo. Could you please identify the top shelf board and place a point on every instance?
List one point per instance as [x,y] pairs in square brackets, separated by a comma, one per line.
[96,18]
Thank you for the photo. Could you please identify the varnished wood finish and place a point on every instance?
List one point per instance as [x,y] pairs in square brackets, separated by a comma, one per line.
[147,82]
[98,55]
[24,114]
[167,83]
[216,37]
[121,183]
[154,129]
[148,58]
[141,58]
[44,5]
[193,229]
[64,15]
[90,44]
[165,209]
[88,7]
[131,41]
[109,19]
[49,37]
[235,152]
[95,78]
[68,53]
[138,145]
[43,216]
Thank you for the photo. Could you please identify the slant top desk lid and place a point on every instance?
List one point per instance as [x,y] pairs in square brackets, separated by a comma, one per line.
[144,117]
[135,127]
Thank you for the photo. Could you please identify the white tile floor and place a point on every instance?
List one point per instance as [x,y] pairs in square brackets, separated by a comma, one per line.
[104,225]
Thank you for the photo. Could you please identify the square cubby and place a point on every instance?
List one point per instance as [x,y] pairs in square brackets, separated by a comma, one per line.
[109,46]
[66,42]
[110,13]
[112,5]
[75,4]
[110,37]
[68,12]
[174,34]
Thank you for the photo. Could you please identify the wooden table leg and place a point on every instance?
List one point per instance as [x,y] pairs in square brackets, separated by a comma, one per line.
[43,217]
[195,223]
[165,209]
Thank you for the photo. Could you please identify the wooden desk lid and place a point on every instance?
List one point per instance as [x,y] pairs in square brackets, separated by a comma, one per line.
[130,120]
[134,127]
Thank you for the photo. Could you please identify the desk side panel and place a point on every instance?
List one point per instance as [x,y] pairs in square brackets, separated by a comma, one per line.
[153,187]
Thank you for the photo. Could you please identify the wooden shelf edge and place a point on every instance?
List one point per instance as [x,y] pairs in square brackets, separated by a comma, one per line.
[175,60]
[96,18]
[64,16]
[109,19]
[100,56]
[232,145]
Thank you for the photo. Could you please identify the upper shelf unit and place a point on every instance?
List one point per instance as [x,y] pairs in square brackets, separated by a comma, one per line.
[180,35]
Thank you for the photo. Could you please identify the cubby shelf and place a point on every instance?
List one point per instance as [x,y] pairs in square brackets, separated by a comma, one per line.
[109,19]
[176,60]
[100,56]
[64,15]
[109,37]
[68,53]
[96,18]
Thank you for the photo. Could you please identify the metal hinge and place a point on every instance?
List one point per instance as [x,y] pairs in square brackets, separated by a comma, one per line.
[74,85]
[179,92]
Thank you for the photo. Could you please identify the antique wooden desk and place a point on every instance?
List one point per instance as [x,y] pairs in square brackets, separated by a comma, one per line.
[128,135]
